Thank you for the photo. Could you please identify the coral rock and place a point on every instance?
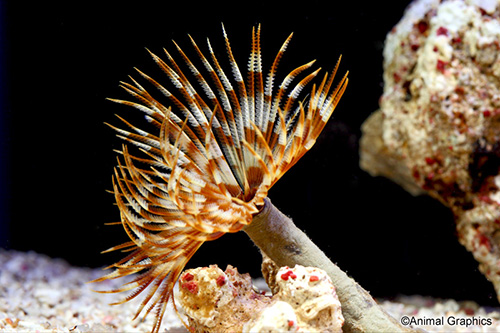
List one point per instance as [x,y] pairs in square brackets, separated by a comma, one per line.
[305,301]
[217,301]
[438,127]
[278,317]
[312,298]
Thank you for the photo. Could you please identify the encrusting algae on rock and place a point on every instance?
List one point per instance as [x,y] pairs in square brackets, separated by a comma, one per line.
[309,292]
[438,127]
[217,301]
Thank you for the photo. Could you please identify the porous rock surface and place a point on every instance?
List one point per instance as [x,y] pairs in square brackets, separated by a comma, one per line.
[438,127]
[217,301]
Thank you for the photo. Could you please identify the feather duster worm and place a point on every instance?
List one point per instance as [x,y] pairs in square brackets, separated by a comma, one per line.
[206,168]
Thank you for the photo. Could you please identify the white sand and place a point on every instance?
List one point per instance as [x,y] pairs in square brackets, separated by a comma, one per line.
[40,294]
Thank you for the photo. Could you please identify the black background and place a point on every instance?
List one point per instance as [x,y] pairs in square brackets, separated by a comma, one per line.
[60,62]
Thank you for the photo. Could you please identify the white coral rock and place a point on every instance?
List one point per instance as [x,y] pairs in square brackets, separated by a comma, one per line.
[437,130]
[202,291]
[217,301]
[278,317]
[312,295]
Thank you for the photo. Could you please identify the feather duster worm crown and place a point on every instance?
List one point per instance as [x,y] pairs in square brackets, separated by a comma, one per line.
[207,167]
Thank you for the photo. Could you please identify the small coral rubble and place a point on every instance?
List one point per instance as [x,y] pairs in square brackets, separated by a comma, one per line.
[312,296]
[217,301]
[438,129]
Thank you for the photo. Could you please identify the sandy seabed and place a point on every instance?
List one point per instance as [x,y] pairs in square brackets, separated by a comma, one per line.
[41,294]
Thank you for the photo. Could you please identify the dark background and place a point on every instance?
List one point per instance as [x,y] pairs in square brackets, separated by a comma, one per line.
[61,60]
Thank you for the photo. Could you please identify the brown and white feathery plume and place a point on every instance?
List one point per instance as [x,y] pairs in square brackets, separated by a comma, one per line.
[208,164]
